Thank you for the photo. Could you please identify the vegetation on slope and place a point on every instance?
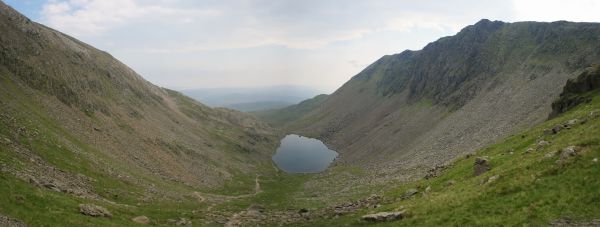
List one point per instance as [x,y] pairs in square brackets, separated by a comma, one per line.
[529,183]
[282,117]
[488,81]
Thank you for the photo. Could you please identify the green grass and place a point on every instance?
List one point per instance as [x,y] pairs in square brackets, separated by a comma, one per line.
[531,189]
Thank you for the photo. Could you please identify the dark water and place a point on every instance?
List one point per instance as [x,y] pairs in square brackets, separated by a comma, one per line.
[299,154]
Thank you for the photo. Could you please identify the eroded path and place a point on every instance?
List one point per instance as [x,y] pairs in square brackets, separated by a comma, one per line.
[215,199]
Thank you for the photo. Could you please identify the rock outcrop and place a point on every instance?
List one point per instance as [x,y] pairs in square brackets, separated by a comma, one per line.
[384,216]
[481,166]
[94,210]
[571,95]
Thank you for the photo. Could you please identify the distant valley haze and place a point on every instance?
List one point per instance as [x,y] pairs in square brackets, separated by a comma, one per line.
[252,98]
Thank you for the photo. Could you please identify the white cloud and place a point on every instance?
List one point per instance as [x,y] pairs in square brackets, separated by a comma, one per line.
[93,17]
[552,10]
[319,43]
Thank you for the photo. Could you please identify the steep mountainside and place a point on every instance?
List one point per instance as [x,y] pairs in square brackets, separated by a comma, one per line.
[416,109]
[537,177]
[75,120]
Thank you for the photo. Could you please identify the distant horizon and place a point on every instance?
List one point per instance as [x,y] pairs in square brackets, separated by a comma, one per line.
[247,87]
[188,44]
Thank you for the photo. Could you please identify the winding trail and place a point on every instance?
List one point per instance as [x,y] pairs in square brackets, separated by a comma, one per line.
[214,199]
[235,219]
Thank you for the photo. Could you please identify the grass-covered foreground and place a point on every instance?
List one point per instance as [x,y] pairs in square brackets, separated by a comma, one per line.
[535,187]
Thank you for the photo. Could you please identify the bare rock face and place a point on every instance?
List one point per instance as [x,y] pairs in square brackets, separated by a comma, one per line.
[482,165]
[384,216]
[571,96]
[94,210]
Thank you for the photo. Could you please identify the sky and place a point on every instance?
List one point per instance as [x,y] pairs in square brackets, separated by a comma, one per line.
[184,44]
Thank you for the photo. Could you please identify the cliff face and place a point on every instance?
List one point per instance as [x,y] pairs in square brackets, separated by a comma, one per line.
[419,108]
[574,92]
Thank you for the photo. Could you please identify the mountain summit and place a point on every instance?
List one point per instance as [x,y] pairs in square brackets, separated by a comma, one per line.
[421,108]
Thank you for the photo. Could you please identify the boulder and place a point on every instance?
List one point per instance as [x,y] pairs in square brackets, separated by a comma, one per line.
[557,128]
[183,222]
[492,179]
[572,122]
[568,152]
[450,183]
[410,193]
[529,150]
[482,165]
[94,210]
[256,207]
[141,220]
[384,216]
[543,143]
[303,210]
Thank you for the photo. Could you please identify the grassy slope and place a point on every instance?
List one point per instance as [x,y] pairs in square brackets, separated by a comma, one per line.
[531,188]
[43,207]
[283,116]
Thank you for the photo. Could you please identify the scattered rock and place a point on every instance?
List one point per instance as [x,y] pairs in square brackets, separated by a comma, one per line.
[543,143]
[410,193]
[572,122]
[595,160]
[7,141]
[568,152]
[141,219]
[183,222]
[94,210]
[427,189]
[438,169]
[549,155]
[563,222]
[302,211]
[557,128]
[256,207]
[10,222]
[492,179]
[529,150]
[384,216]
[482,165]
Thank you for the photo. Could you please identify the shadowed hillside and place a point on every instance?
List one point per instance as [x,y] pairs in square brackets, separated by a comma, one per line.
[77,122]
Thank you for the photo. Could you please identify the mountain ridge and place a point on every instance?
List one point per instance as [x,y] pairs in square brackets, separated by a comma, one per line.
[110,112]
[455,95]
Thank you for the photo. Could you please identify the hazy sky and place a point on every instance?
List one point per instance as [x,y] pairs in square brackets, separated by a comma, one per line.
[318,43]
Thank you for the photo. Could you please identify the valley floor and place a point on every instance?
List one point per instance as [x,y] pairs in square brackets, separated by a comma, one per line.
[546,175]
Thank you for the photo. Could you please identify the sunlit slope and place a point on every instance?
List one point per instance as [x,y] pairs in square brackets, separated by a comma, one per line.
[409,111]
